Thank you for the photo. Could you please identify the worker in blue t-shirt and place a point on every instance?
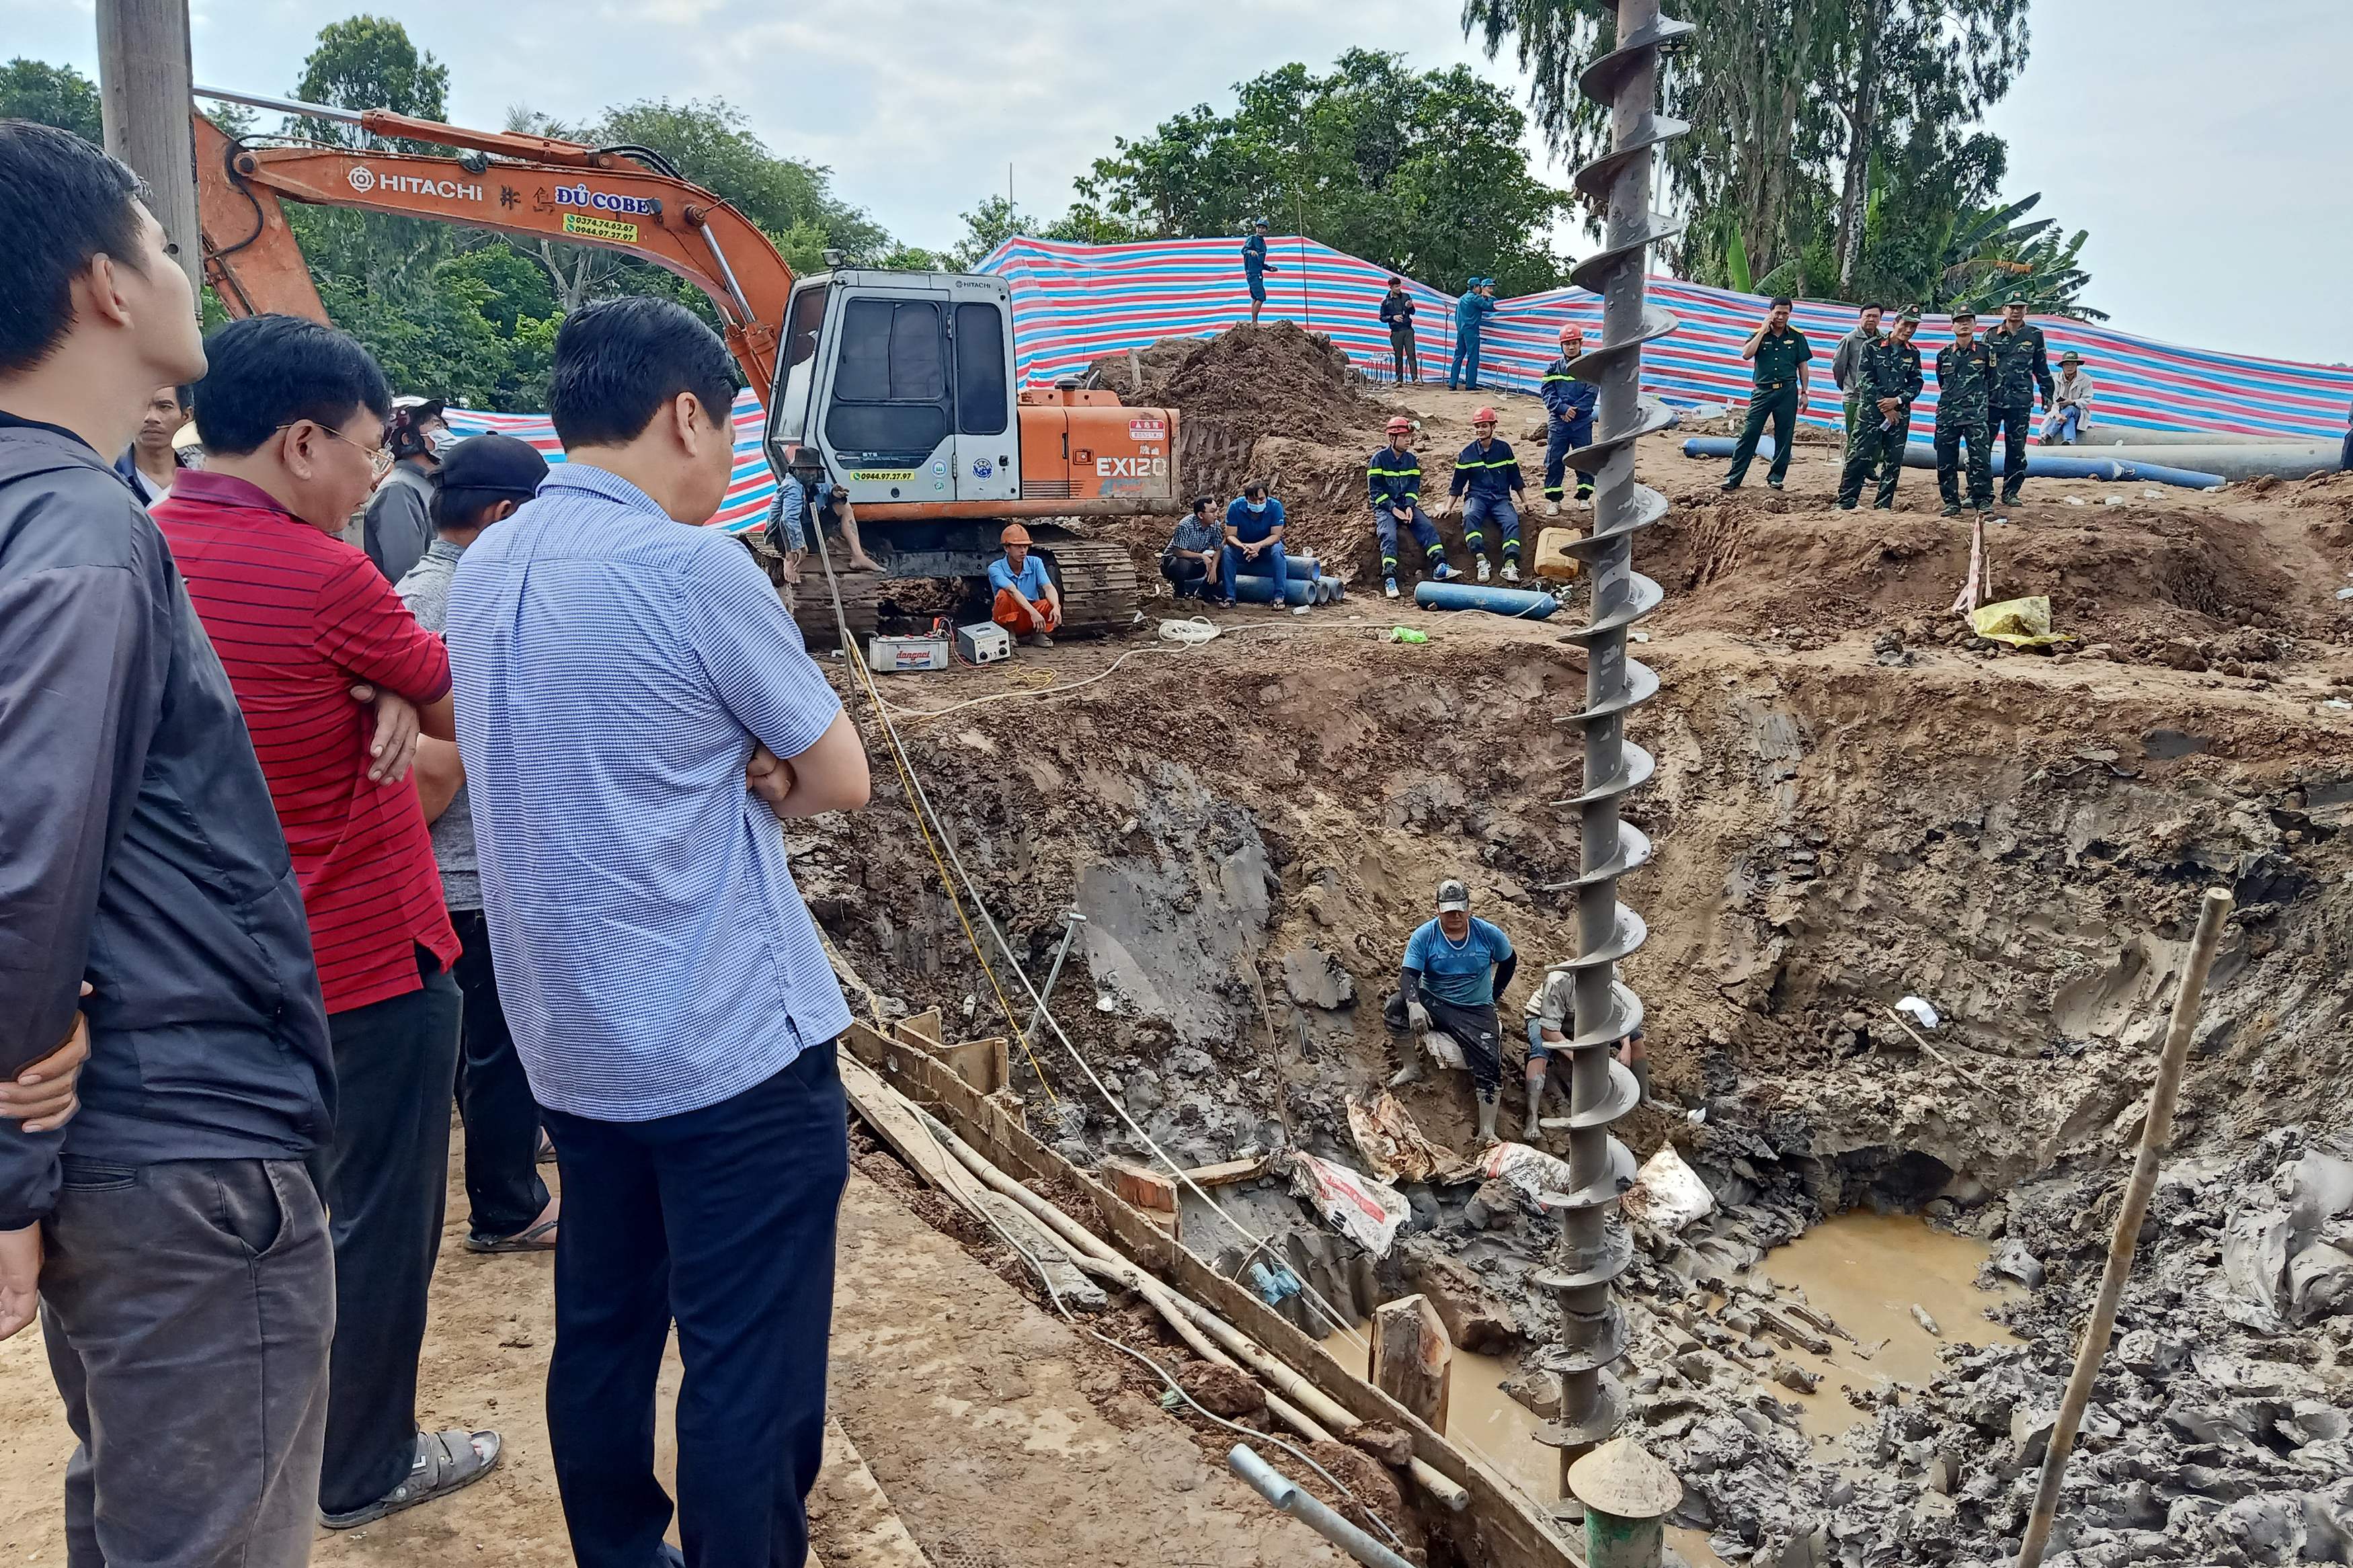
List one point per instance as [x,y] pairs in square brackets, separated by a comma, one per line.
[1454,969]
[1028,603]
[1254,543]
[1255,267]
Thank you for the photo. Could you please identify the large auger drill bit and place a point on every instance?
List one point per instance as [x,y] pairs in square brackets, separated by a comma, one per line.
[1593,1250]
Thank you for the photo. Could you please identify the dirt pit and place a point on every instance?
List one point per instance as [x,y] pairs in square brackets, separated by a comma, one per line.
[1855,802]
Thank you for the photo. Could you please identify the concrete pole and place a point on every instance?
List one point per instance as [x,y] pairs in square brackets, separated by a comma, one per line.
[146,92]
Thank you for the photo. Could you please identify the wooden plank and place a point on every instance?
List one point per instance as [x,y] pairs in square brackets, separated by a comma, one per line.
[1413,1360]
[1227,1172]
[1502,1525]
[1147,1189]
[922,1029]
[980,1063]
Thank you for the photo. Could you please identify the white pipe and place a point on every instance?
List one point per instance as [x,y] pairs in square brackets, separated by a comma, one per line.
[1284,1494]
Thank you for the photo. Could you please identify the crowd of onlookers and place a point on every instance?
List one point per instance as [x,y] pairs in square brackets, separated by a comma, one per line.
[301,838]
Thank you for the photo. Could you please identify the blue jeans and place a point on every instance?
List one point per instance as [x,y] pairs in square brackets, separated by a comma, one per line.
[1480,511]
[2063,425]
[1271,563]
[722,1220]
[1562,438]
[1424,532]
[1466,354]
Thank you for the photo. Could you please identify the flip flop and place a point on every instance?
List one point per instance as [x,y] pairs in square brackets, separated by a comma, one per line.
[446,1462]
[535,1239]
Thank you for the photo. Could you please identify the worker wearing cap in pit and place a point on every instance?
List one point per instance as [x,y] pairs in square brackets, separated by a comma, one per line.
[1395,476]
[1486,478]
[1028,603]
[1568,406]
[1552,1019]
[1255,267]
[1455,967]
[400,526]
[1254,524]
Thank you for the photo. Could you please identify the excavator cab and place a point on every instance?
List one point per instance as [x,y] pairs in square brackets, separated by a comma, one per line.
[903,382]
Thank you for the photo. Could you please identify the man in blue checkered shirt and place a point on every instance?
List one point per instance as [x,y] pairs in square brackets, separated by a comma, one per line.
[636,713]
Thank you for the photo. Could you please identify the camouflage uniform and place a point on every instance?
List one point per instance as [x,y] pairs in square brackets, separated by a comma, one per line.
[1888,369]
[1964,398]
[2021,365]
[1774,397]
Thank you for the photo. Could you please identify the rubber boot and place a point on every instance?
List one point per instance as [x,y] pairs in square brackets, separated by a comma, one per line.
[1409,1073]
[1536,1098]
[1488,1105]
[1643,1080]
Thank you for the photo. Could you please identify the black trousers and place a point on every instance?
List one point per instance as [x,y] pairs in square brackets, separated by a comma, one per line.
[1475,1029]
[386,1184]
[1188,573]
[186,1309]
[2011,426]
[1780,405]
[1405,355]
[502,1119]
[723,1221]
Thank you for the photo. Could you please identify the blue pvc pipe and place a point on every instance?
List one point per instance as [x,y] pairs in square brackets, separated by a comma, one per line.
[2043,463]
[1297,589]
[1518,603]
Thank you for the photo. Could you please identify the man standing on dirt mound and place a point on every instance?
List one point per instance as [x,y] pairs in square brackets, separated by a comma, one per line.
[1395,476]
[1569,405]
[2022,368]
[1879,418]
[1965,372]
[1486,479]
[1471,312]
[1780,351]
[1454,969]
[1255,267]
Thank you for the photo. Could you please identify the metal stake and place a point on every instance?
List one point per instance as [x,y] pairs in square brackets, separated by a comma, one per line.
[1592,1251]
[1071,921]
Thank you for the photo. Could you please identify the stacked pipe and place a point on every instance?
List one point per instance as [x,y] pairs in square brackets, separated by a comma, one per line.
[1593,1250]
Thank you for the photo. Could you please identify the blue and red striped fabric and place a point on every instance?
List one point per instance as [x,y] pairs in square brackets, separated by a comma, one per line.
[1074,303]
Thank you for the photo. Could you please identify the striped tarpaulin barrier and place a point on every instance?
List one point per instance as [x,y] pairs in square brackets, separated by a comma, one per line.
[1074,303]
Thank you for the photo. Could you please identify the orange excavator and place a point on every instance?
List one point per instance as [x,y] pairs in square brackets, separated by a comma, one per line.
[899,387]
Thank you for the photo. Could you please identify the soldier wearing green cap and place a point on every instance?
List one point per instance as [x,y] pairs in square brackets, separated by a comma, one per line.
[1780,351]
[1885,381]
[1965,372]
[2022,368]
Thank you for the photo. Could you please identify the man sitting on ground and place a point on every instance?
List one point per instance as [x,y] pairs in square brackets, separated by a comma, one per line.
[1395,476]
[1028,603]
[1486,478]
[1194,552]
[1254,543]
[483,480]
[151,464]
[1454,969]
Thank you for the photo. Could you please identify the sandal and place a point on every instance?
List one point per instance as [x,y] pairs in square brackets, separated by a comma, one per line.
[540,1238]
[446,1462]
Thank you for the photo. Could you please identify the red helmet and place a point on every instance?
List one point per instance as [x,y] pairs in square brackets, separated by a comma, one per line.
[1484,417]
[1570,332]
[1400,425]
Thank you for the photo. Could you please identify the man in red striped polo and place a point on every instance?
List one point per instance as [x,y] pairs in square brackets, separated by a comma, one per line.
[292,419]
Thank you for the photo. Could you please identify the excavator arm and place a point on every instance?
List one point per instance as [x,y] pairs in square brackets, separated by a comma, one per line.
[533,187]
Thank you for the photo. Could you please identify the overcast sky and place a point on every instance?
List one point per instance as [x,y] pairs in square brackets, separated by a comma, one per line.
[2203,143]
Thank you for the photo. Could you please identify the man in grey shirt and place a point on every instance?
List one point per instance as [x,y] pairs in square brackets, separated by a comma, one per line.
[399,523]
[483,479]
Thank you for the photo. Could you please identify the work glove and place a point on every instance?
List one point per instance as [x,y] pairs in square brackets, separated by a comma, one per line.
[1417,1015]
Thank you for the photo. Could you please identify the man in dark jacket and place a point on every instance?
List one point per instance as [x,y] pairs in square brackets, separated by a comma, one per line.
[1394,476]
[399,527]
[1568,423]
[1397,315]
[1879,418]
[185,1282]
[1964,380]
[2022,371]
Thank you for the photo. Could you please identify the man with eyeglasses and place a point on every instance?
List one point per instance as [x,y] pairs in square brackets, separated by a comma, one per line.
[292,416]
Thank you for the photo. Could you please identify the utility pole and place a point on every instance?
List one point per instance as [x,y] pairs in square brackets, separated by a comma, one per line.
[146,92]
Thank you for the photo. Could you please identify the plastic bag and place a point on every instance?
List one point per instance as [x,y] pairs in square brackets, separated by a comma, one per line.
[1367,1212]
[1920,1013]
[1667,1195]
[1390,1142]
[2020,623]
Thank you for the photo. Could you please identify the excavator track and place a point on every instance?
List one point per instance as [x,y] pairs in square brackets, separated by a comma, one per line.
[1097,578]
[863,593]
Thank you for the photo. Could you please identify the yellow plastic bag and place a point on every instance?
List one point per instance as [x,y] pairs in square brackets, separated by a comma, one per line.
[2020,623]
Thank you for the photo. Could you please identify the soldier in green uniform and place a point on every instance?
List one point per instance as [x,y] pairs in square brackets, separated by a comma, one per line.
[1879,413]
[1965,374]
[2021,367]
[1780,351]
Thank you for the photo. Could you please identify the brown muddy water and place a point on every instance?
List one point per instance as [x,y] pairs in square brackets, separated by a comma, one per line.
[1866,1271]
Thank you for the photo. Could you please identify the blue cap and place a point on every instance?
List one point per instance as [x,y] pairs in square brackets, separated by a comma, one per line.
[1257,223]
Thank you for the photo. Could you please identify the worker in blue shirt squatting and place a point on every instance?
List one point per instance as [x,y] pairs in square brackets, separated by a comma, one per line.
[1027,604]
[1454,969]
[1255,267]
[1486,476]
[1254,543]
[1568,423]
[1395,476]
[1476,303]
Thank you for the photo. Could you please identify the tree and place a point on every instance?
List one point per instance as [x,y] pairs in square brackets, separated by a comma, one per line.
[369,62]
[1420,171]
[50,95]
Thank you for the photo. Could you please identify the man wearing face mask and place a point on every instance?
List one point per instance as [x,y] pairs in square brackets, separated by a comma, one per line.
[400,517]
